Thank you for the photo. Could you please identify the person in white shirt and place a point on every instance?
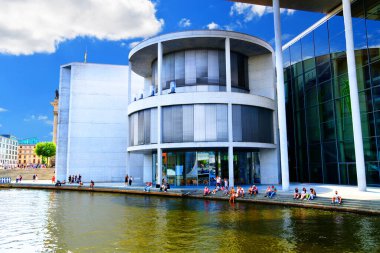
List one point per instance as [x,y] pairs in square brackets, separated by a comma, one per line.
[336,198]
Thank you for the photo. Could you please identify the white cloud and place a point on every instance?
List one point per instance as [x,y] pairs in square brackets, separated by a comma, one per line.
[133,44]
[213,26]
[42,118]
[3,109]
[185,22]
[250,11]
[38,26]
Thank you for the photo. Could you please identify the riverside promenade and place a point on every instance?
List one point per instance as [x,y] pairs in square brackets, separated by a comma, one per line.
[353,200]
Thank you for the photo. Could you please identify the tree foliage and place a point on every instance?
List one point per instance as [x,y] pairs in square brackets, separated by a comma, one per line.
[45,149]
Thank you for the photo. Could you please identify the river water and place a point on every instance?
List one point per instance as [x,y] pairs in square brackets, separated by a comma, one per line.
[63,221]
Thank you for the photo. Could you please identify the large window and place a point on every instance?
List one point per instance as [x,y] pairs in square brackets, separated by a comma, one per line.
[252,124]
[194,123]
[201,67]
[143,127]
[246,167]
[192,168]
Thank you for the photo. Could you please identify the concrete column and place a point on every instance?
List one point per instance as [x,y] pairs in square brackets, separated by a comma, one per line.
[228,65]
[356,122]
[128,167]
[230,147]
[231,166]
[55,124]
[159,67]
[159,150]
[281,97]
[129,82]
[159,166]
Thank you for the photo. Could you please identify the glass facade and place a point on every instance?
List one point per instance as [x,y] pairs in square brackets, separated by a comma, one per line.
[142,127]
[201,167]
[201,70]
[252,124]
[246,167]
[320,135]
[193,123]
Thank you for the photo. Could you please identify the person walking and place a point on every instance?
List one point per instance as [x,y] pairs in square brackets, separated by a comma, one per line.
[226,183]
[126,180]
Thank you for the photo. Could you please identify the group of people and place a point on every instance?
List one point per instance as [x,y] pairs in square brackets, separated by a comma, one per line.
[60,183]
[236,194]
[270,192]
[304,195]
[239,192]
[128,180]
[74,179]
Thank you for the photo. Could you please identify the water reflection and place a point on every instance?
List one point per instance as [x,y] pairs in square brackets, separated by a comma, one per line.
[53,221]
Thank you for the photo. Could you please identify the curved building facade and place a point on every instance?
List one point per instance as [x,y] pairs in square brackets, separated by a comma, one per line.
[206,108]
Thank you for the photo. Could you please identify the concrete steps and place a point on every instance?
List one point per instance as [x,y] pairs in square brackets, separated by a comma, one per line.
[284,199]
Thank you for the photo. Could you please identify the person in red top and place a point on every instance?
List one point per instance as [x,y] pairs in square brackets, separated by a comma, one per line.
[53,180]
[206,191]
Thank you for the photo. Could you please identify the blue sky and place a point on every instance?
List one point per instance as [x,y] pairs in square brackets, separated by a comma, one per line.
[34,44]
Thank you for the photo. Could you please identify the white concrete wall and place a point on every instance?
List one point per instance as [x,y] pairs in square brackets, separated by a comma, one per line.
[147,171]
[269,166]
[63,123]
[97,122]
[261,75]
[136,163]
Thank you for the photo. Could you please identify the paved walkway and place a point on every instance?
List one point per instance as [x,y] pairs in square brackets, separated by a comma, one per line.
[353,200]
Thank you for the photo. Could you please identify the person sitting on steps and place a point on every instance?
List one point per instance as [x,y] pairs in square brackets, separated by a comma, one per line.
[148,185]
[206,191]
[336,198]
[296,194]
[272,192]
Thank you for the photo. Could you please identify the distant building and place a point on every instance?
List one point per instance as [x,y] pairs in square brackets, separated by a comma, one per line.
[26,155]
[8,151]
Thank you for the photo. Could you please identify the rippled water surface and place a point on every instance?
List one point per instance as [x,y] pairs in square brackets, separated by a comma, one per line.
[60,221]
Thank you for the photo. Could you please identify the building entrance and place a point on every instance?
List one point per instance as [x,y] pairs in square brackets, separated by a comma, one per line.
[194,168]
[202,167]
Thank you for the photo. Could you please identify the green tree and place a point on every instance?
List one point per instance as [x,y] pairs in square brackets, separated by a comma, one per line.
[45,150]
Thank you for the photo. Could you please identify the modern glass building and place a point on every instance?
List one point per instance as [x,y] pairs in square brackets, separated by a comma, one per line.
[319,117]
[331,77]
[206,109]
